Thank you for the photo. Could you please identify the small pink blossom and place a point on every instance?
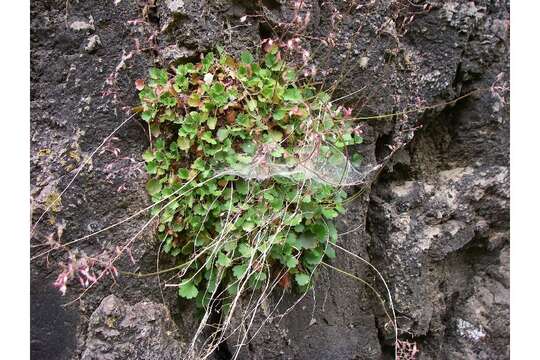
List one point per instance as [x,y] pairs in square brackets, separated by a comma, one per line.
[267,44]
[358,131]
[306,19]
[305,56]
[61,282]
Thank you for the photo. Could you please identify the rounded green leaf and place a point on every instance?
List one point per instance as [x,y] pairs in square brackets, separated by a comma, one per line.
[308,240]
[153,186]
[222,134]
[188,290]
[313,257]
[291,262]
[246,57]
[292,95]
[183,143]
[148,156]
[223,260]
[302,279]
[211,122]
[245,250]
[239,270]
[329,213]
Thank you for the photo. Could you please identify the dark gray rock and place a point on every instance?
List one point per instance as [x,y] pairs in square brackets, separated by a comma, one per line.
[117,330]
[435,238]
[73,108]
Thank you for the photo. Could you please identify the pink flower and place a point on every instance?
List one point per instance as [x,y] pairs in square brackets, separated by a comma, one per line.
[267,44]
[289,44]
[306,19]
[113,271]
[61,282]
[305,56]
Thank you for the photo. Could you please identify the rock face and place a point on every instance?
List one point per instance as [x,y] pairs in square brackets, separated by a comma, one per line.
[440,239]
[117,330]
[435,221]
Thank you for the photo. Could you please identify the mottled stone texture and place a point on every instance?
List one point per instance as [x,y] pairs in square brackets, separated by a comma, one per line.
[117,330]
[435,221]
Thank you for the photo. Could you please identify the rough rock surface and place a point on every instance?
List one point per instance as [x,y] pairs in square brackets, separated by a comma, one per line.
[435,221]
[117,330]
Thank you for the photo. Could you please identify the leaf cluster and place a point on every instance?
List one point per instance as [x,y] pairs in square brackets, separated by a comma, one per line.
[232,233]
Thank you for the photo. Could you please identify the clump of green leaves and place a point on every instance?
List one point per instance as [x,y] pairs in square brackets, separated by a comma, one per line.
[228,233]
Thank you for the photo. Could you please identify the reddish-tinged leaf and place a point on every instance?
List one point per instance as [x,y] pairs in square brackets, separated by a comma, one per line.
[160,90]
[285,281]
[231,116]
[139,84]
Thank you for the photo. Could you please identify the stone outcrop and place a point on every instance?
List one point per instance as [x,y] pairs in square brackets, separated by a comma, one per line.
[117,330]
